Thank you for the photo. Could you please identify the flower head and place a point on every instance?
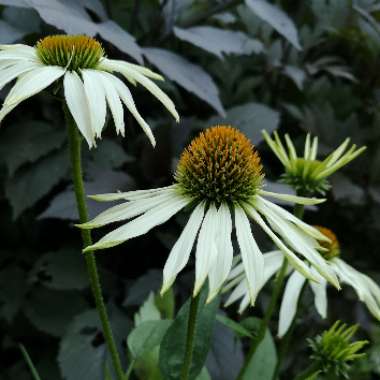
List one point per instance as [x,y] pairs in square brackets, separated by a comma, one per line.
[219,176]
[89,83]
[306,174]
[220,165]
[367,290]
[334,351]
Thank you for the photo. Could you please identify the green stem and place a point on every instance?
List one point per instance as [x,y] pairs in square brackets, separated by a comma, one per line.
[185,371]
[75,143]
[267,317]
[29,362]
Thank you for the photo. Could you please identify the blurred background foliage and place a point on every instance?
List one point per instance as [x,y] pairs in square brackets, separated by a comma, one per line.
[296,66]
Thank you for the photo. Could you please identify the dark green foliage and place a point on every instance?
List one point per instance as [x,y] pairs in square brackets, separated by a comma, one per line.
[297,66]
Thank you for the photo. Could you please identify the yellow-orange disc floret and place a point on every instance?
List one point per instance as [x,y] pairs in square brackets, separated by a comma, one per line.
[220,165]
[73,52]
[332,247]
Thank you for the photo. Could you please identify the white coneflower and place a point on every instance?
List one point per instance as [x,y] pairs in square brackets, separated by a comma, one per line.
[220,177]
[367,290]
[306,174]
[88,81]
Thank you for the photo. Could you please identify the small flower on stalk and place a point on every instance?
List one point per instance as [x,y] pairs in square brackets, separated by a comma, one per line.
[88,81]
[333,350]
[219,177]
[306,174]
[367,290]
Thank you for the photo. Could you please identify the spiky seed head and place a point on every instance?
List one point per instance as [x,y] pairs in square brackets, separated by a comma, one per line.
[220,165]
[72,52]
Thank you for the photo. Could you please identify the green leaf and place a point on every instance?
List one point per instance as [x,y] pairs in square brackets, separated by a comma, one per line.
[188,75]
[276,18]
[83,354]
[204,375]
[146,336]
[251,119]
[13,287]
[61,270]
[31,141]
[148,311]
[42,307]
[30,184]
[172,349]
[263,362]
[218,41]
[234,326]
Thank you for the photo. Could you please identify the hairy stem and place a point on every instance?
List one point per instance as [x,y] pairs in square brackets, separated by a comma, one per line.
[185,371]
[75,144]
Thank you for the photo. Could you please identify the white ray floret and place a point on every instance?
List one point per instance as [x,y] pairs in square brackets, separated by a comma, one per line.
[90,85]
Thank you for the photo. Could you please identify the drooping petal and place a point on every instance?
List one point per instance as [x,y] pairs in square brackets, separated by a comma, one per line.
[129,195]
[29,84]
[320,296]
[142,224]
[281,212]
[295,261]
[239,292]
[148,84]
[272,264]
[292,198]
[219,272]
[252,257]
[300,243]
[126,210]
[114,103]
[110,63]
[12,72]
[126,96]
[96,98]
[206,248]
[76,101]
[289,302]
[180,253]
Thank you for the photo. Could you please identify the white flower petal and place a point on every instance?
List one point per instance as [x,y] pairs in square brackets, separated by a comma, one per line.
[295,261]
[299,242]
[206,248]
[28,85]
[19,53]
[110,64]
[129,195]
[180,253]
[281,212]
[96,98]
[219,272]
[76,101]
[239,292]
[12,72]
[289,302]
[126,210]
[252,257]
[292,198]
[149,85]
[320,296]
[126,96]
[114,103]
[272,264]
[142,224]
